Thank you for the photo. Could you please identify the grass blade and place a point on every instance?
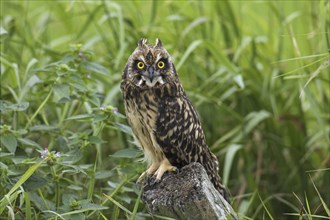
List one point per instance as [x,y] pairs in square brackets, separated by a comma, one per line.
[265,207]
[25,176]
[190,49]
[27,206]
[118,204]
[136,206]
[326,208]
[230,155]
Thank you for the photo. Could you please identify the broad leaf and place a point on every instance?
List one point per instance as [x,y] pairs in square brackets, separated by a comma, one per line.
[104,174]
[126,153]
[99,118]
[9,141]
[80,117]
[8,106]
[43,128]
[95,140]
[62,90]
[124,128]
[97,68]
[34,182]
[29,142]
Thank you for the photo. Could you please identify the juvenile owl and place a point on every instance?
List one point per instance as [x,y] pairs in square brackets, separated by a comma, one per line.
[163,120]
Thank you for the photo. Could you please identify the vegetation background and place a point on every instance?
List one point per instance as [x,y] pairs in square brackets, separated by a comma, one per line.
[257,71]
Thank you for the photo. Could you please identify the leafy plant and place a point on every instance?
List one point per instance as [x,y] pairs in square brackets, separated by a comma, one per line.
[256,71]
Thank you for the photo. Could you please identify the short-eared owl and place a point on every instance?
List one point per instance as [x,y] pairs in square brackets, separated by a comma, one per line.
[163,120]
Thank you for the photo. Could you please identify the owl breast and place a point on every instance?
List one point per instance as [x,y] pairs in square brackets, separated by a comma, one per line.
[146,113]
[142,111]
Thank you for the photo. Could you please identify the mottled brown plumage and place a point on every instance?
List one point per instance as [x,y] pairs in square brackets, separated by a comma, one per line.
[163,120]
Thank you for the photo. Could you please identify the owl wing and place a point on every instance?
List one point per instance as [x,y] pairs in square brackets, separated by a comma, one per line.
[180,135]
[179,132]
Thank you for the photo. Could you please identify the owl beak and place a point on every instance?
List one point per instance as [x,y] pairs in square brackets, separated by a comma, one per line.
[151,77]
[151,73]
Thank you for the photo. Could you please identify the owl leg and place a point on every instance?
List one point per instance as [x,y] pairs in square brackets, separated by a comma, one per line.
[165,165]
[149,171]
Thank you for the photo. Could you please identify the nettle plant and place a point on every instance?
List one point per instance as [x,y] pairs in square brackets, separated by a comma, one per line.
[58,117]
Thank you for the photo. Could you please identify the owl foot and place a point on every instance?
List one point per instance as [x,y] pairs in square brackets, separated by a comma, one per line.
[149,171]
[165,165]
[141,177]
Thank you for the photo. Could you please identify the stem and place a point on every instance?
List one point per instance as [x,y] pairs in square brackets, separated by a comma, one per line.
[39,109]
[44,118]
[64,113]
[57,192]
[97,131]
[74,113]
[92,183]
[43,199]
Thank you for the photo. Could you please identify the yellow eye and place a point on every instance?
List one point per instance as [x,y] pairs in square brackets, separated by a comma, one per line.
[161,64]
[140,65]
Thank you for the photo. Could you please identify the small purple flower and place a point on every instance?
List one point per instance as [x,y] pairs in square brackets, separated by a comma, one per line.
[44,153]
[51,156]
[102,108]
[115,110]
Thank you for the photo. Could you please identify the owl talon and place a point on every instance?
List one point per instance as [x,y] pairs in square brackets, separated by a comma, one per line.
[153,181]
[165,165]
[149,171]
[142,177]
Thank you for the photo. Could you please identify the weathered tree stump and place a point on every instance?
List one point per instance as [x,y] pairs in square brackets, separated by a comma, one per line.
[188,194]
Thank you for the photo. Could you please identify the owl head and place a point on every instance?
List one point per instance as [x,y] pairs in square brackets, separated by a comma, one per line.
[149,66]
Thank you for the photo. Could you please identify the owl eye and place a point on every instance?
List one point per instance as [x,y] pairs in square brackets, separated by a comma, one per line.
[161,64]
[140,65]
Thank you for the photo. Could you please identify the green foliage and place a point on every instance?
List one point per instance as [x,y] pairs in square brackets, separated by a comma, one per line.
[257,71]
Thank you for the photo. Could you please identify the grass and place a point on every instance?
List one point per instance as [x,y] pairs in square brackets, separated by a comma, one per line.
[257,71]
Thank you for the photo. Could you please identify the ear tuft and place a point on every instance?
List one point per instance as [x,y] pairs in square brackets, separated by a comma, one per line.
[142,42]
[159,43]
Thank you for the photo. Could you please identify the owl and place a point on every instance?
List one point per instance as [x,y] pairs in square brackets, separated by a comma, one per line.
[165,124]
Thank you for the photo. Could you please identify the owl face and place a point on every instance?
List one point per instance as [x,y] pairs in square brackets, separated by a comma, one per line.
[149,66]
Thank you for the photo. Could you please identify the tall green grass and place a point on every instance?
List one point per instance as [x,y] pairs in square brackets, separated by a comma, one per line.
[257,71]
